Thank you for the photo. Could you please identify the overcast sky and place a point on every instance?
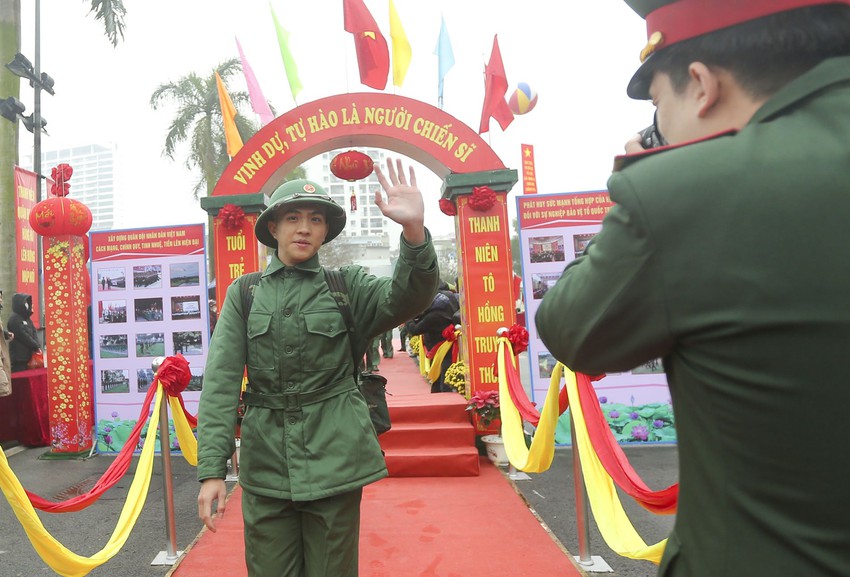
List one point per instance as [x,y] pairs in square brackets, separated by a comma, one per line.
[577,55]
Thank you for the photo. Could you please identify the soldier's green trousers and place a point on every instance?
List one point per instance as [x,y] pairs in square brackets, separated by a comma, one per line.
[302,538]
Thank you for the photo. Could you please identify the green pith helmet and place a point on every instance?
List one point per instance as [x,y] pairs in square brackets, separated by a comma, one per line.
[294,193]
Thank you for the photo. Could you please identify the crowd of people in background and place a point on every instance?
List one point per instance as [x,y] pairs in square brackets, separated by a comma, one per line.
[443,312]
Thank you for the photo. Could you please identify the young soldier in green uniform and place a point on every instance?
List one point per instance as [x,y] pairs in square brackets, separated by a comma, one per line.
[726,254]
[308,445]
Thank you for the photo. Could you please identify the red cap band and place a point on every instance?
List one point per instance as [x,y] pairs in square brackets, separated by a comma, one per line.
[687,19]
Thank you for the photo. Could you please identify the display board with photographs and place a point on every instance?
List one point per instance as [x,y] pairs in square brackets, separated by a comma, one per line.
[554,230]
[149,301]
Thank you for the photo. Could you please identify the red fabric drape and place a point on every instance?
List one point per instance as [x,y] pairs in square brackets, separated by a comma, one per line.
[116,470]
[615,461]
[111,476]
[610,453]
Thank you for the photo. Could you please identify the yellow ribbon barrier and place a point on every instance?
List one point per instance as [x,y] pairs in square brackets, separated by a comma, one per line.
[538,457]
[613,523]
[424,361]
[185,436]
[58,557]
[437,361]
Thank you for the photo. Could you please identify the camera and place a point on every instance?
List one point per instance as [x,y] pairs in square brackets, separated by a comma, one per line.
[650,137]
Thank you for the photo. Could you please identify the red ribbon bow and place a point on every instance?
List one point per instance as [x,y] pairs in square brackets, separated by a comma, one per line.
[447,207]
[61,174]
[174,374]
[232,216]
[483,198]
[518,335]
[449,333]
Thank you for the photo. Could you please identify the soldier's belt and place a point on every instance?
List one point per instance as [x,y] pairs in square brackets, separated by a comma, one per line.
[294,401]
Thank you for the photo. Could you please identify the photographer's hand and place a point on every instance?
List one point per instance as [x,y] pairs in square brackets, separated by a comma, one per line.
[634,145]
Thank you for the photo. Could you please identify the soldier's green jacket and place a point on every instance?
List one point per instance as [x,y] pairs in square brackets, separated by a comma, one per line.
[730,259]
[296,347]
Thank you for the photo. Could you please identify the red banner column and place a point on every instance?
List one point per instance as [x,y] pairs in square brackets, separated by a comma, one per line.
[63,223]
[486,271]
[236,248]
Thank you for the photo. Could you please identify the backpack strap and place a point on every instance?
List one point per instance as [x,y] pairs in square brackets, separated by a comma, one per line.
[246,287]
[339,291]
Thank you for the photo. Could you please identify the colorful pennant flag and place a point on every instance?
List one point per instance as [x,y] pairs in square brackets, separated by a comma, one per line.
[258,101]
[445,58]
[373,56]
[228,115]
[495,88]
[286,56]
[401,47]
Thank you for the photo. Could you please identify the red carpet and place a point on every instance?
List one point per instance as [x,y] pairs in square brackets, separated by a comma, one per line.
[431,434]
[418,527]
[459,521]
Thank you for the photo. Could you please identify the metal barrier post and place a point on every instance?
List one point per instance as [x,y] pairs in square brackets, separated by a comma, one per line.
[582,522]
[171,554]
[588,562]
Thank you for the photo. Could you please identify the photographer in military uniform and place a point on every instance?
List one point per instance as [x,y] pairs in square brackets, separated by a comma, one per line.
[726,255]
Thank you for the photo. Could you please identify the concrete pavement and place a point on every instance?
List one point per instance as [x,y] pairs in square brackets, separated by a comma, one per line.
[549,494]
[87,531]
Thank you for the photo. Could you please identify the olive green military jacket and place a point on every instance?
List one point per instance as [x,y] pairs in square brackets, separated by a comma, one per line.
[317,439]
[730,259]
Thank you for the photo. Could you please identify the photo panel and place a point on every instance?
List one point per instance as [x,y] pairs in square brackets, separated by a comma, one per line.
[115,381]
[186,307]
[546,364]
[147,276]
[112,311]
[546,249]
[188,343]
[147,310]
[653,367]
[113,346]
[580,242]
[542,282]
[184,274]
[196,383]
[144,379]
[150,345]
[164,292]
[111,279]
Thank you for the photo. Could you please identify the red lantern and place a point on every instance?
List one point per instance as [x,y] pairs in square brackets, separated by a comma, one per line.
[351,165]
[59,216]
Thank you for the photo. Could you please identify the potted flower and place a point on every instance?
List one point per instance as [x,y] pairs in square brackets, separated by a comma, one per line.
[485,405]
[455,377]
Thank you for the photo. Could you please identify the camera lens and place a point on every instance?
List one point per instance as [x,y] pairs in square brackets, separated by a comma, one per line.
[650,136]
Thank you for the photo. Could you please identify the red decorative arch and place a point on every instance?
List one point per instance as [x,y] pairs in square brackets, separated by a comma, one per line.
[417,130]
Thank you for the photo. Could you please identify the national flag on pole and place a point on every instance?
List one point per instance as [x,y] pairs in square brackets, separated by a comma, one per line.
[258,102]
[445,58]
[286,56]
[228,116]
[401,47]
[495,88]
[373,56]
[529,179]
